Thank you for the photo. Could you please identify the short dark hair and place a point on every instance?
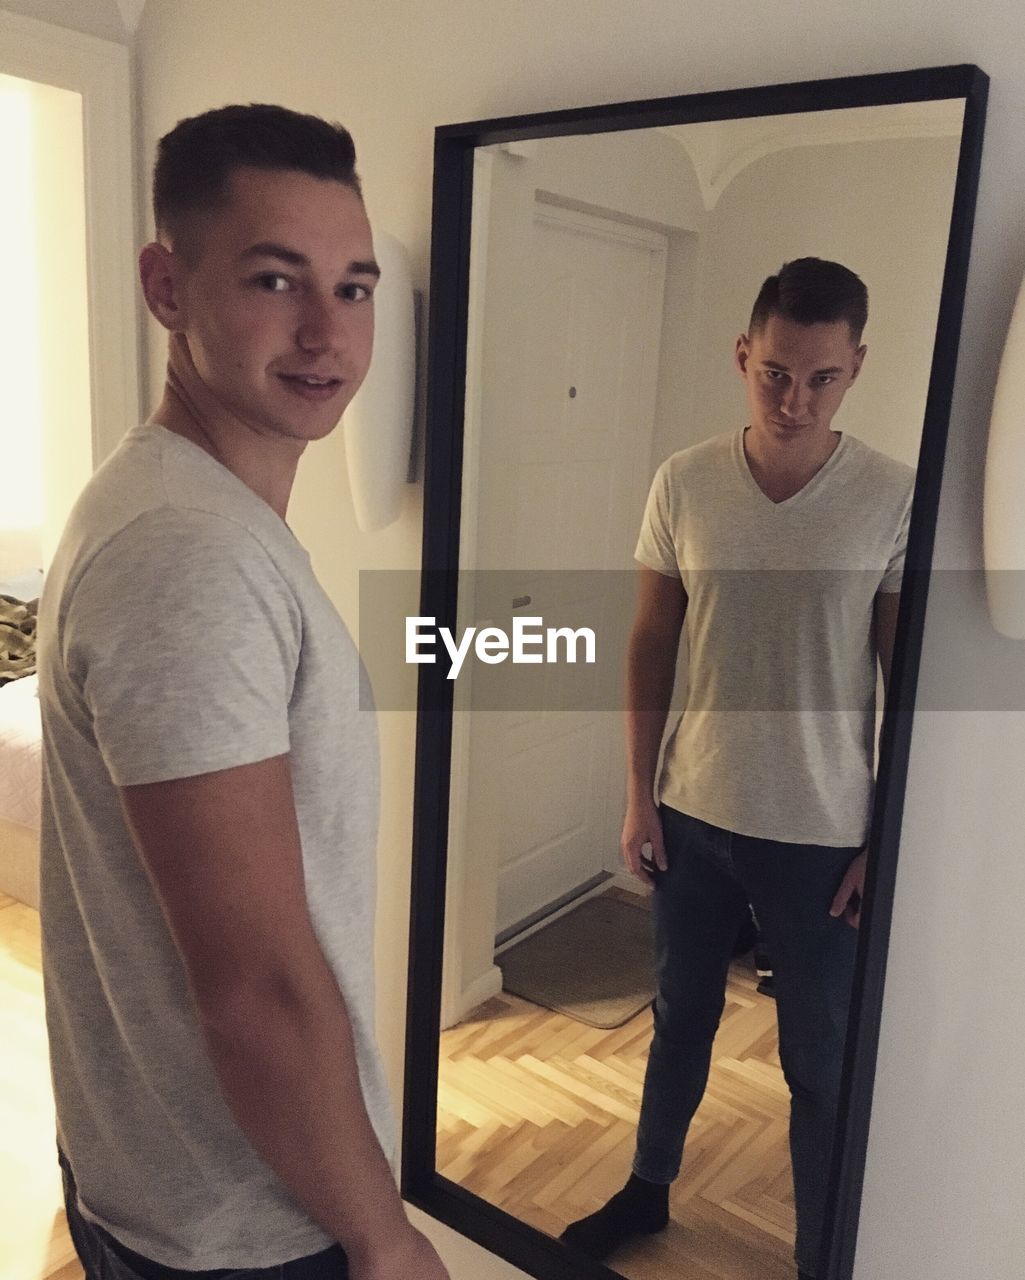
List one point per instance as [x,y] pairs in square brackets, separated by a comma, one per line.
[197,158]
[813,291]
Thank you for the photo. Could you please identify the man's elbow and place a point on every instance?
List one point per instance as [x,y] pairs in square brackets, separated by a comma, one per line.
[236,1001]
[654,643]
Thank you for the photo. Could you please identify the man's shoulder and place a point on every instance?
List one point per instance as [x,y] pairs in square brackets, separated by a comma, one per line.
[696,461]
[153,468]
[879,471]
[160,501]
[130,544]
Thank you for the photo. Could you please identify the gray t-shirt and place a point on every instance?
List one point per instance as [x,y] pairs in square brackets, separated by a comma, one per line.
[777,738]
[183,631]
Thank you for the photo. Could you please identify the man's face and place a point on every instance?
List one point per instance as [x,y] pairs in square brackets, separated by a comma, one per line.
[797,375]
[276,301]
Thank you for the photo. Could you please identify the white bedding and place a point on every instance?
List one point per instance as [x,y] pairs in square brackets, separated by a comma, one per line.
[20,751]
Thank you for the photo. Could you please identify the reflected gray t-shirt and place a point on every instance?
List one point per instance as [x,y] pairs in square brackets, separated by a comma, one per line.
[182,631]
[777,738]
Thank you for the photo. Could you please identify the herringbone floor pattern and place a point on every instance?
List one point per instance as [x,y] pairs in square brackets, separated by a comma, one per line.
[34,1239]
[537,1114]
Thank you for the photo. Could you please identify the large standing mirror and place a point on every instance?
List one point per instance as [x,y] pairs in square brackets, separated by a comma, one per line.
[592,273]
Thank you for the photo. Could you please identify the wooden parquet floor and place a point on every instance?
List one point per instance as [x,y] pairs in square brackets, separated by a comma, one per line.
[33,1229]
[537,1114]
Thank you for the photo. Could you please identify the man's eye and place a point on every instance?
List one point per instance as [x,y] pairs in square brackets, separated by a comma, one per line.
[273,282]
[356,292]
[824,379]
[774,375]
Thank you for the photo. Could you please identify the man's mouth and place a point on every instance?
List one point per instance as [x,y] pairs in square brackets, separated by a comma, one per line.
[310,385]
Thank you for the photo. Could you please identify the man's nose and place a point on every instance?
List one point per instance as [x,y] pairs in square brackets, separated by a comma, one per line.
[321,324]
[794,401]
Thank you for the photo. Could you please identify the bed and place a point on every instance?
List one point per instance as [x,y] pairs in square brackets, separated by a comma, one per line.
[20,757]
[20,751]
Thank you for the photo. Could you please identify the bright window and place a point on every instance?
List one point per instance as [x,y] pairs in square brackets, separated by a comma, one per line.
[21,373]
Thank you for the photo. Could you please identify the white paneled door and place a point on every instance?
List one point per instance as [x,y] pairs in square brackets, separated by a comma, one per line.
[573,477]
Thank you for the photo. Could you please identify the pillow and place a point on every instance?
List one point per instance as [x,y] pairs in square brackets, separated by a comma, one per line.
[23,586]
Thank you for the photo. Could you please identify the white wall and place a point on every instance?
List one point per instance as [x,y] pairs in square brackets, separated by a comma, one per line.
[102,18]
[944,1182]
[837,201]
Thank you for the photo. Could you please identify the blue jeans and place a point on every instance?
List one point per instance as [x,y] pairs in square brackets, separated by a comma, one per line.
[105,1258]
[698,905]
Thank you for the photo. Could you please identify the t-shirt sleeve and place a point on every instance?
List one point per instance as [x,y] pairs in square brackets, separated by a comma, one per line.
[183,639]
[656,547]
[894,574]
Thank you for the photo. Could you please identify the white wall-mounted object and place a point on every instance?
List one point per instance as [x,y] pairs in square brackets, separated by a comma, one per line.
[1004,503]
[378,424]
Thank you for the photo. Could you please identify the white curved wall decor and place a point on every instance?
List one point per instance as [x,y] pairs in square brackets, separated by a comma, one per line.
[378,424]
[1004,505]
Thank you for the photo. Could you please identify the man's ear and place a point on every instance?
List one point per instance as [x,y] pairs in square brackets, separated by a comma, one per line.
[859,360]
[742,353]
[160,273]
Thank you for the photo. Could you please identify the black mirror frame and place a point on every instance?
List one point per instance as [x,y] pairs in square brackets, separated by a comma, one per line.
[527,1248]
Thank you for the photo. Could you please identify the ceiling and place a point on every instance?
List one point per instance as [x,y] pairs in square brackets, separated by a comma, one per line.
[721,149]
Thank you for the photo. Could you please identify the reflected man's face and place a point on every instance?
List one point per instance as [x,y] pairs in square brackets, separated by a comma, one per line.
[797,375]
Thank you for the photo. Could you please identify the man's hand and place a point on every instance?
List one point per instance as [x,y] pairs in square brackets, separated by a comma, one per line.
[849,896]
[642,826]
[409,1255]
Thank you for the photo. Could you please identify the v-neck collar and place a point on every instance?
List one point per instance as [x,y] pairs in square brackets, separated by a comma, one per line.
[805,490]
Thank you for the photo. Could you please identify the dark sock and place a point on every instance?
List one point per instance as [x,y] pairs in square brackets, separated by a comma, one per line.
[641,1208]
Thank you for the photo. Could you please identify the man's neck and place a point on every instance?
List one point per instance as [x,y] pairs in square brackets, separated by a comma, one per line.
[266,466]
[782,468]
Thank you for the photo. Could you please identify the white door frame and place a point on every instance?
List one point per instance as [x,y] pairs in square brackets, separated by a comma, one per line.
[98,70]
[461,992]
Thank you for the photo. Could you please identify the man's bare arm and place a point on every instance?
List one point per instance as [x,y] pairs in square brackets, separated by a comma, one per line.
[650,673]
[223,851]
[885,609]
[847,902]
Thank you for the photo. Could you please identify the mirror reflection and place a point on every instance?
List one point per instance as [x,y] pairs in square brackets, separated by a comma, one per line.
[698,360]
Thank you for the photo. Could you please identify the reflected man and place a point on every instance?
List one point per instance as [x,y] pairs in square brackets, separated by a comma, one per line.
[781,547]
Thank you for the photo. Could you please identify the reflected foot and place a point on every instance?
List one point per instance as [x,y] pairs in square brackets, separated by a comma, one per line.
[640,1209]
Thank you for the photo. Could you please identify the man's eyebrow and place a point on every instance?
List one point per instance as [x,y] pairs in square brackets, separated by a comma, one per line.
[269,249]
[783,368]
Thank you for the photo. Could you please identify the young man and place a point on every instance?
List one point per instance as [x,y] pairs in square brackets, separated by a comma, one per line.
[782,547]
[210,782]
